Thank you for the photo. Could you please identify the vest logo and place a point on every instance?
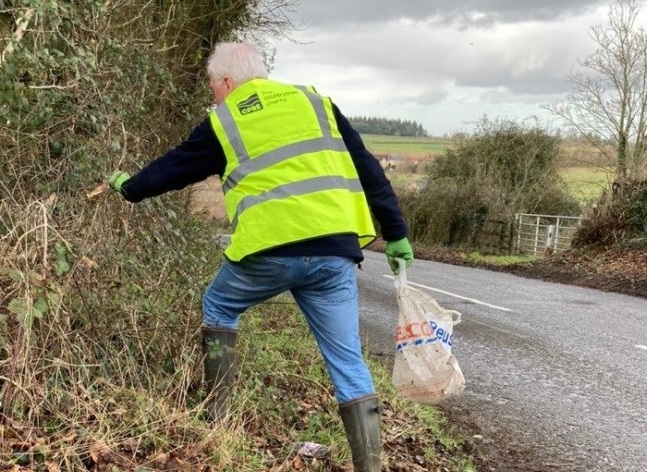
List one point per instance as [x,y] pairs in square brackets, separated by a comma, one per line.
[250,105]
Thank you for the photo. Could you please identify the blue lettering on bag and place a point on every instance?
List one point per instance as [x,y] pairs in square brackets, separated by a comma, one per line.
[438,334]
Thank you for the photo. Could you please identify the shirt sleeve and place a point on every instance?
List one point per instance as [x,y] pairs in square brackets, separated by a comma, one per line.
[379,192]
[195,159]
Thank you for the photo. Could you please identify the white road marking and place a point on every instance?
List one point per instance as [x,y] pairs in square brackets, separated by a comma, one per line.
[640,346]
[473,300]
[511,333]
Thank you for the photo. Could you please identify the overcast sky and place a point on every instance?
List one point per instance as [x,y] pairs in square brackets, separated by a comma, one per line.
[443,63]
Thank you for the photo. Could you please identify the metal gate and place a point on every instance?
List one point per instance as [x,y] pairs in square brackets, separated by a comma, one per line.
[542,234]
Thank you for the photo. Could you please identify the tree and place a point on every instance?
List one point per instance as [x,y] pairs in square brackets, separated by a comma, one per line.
[386,126]
[609,97]
[502,168]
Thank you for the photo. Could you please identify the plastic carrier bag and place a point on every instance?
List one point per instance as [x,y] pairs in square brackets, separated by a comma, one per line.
[425,370]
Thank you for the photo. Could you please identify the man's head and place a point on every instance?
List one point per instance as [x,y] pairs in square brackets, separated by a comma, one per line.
[232,64]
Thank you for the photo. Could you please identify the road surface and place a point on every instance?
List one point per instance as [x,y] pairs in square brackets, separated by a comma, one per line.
[556,374]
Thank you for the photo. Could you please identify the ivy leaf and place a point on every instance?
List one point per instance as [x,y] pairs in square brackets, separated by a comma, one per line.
[40,307]
[61,266]
[19,306]
[54,298]
[59,249]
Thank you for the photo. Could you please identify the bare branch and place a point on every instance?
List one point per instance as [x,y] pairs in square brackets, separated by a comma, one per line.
[609,96]
[21,26]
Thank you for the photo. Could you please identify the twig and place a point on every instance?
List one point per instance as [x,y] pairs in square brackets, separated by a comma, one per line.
[45,242]
[59,87]
[21,26]
[306,379]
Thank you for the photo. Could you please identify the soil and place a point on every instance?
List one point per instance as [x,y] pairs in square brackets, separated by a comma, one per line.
[608,269]
[620,270]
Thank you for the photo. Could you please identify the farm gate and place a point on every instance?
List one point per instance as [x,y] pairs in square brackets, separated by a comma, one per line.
[540,234]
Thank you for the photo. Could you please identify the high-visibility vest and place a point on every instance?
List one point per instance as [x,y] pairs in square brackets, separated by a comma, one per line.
[289,176]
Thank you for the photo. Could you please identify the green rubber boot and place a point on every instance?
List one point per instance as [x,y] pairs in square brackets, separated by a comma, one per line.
[218,348]
[361,420]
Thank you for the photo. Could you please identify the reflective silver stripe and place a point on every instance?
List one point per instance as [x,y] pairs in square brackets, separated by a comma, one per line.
[318,104]
[233,135]
[282,154]
[297,188]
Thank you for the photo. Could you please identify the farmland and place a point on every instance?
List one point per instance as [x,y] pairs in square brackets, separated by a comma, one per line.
[587,183]
[584,171]
[405,145]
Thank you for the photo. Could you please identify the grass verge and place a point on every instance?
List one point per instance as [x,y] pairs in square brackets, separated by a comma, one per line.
[283,398]
[498,260]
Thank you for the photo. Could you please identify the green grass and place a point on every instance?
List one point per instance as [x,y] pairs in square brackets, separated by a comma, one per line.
[404,180]
[501,261]
[285,397]
[586,184]
[379,144]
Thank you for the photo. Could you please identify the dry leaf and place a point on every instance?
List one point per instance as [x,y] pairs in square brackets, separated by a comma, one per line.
[89,263]
[98,191]
[160,460]
[97,451]
[297,463]
[130,445]
[69,437]
[52,467]
[51,201]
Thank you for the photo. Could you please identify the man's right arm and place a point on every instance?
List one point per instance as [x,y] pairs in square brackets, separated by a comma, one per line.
[195,159]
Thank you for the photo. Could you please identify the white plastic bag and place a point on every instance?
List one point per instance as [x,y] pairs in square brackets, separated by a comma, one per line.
[425,370]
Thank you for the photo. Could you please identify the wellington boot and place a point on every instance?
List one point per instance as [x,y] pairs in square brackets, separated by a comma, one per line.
[361,420]
[218,348]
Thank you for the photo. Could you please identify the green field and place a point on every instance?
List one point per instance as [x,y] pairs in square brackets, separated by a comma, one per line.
[379,144]
[586,184]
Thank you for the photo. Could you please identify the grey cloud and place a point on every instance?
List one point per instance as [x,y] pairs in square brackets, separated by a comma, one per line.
[429,96]
[504,95]
[442,57]
[409,56]
[463,12]
[532,85]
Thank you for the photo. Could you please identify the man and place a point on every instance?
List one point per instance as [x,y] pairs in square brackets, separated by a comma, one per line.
[298,183]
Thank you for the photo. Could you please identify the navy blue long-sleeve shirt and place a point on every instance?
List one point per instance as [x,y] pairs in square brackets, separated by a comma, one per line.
[201,156]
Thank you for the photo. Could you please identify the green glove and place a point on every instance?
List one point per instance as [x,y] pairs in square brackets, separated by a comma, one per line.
[117,179]
[400,249]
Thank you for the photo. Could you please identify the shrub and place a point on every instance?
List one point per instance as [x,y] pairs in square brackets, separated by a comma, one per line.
[619,216]
[99,299]
[502,169]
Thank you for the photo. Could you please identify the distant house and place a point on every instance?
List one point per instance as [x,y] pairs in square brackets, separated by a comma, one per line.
[390,161]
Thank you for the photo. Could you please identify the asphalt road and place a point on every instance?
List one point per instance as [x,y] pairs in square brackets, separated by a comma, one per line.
[556,375]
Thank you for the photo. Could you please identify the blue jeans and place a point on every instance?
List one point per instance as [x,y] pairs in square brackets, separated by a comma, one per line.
[325,288]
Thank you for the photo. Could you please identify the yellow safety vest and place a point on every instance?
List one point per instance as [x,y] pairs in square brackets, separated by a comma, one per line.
[289,176]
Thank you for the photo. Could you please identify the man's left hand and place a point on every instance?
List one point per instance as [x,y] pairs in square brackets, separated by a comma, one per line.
[400,249]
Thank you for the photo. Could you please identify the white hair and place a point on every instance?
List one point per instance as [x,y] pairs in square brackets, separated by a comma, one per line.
[240,61]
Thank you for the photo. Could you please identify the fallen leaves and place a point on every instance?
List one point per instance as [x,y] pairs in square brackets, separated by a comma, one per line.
[98,191]
[609,269]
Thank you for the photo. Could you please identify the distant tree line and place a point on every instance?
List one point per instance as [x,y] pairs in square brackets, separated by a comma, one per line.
[386,126]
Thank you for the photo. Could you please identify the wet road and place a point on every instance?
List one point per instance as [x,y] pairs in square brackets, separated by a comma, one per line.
[557,372]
